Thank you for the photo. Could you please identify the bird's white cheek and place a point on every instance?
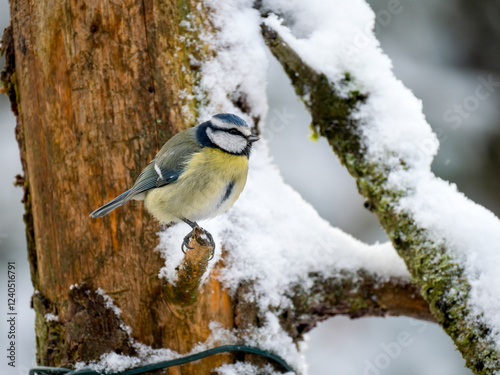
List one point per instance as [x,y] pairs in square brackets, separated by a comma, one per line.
[227,142]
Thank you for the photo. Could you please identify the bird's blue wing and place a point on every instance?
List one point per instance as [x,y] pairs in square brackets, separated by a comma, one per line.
[147,180]
[150,179]
[171,161]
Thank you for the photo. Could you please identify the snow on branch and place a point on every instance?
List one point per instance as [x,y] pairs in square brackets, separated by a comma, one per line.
[284,266]
[287,268]
[450,245]
[276,241]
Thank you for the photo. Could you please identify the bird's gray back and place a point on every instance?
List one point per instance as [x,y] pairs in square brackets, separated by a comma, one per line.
[171,160]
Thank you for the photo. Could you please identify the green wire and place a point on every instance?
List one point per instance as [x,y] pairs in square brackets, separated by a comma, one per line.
[166,364]
[48,370]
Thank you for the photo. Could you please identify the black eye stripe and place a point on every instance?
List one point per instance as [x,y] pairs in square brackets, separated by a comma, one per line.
[232,131]
[235,132]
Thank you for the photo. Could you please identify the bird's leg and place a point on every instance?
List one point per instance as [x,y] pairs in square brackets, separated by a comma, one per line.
[185,243]
[192,224]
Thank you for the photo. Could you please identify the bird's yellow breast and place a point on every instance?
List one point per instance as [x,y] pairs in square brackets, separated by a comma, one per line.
[210,184]
[213,160]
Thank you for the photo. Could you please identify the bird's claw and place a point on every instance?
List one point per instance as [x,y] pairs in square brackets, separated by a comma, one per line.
[185,242]
[212,244]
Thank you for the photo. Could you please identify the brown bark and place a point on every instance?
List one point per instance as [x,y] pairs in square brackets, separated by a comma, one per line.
[96,86]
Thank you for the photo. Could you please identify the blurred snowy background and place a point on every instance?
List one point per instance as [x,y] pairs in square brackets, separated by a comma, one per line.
[444,51]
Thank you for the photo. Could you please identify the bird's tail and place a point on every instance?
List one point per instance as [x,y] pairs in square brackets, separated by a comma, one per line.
[110,206]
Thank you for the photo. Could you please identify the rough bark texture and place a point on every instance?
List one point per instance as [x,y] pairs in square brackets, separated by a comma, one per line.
[98,87]
[440,278]
[355,296]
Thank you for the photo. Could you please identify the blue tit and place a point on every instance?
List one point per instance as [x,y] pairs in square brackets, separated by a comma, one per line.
[198,174]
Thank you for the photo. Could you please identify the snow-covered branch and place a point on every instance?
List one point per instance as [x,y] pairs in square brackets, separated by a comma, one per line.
[375,126]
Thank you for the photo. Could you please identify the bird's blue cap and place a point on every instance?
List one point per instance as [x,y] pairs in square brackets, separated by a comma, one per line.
[229,118]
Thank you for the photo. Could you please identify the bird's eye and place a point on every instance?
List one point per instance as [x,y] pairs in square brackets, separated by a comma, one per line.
[233,132]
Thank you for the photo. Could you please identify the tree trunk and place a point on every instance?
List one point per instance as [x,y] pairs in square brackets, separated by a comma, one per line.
[98,88]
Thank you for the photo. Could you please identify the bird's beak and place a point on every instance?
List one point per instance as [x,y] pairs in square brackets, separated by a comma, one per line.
[252,138]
